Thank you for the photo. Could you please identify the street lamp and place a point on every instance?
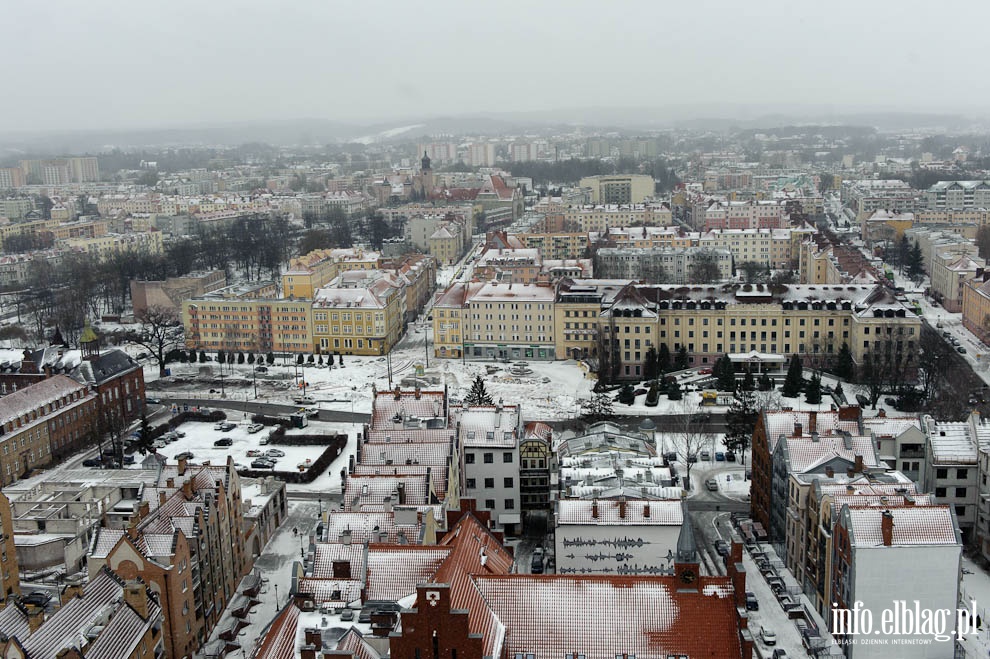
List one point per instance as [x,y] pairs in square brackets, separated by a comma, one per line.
[276,597]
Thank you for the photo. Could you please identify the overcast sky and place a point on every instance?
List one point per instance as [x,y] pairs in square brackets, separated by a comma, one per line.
[71,64]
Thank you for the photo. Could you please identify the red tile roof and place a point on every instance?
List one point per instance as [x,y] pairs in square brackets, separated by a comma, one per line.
[394,570]
[602,616]
[279,642]
[913,525]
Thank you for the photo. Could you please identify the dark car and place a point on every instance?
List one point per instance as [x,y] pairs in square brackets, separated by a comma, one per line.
[152,401]
[128,459]
[226,441]
[752,604]
[91,462]
[185,455]
[722,547]
[692,458]
[536,565]
[262,464]
[37,598]
[261,369]
[730,456]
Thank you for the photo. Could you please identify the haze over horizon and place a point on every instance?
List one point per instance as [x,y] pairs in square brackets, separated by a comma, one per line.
[106,65]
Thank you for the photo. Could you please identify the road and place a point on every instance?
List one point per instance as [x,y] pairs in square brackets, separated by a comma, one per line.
[270,409]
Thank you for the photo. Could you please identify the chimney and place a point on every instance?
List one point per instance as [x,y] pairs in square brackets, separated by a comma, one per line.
[143,509]
[387,502]
[798,429]
[313,637]
[132,531]
[594,509]
[162,497]
[345,537]
[418,393]
[169,482]
[646,510]
[401,490]
[858,465]
[882,413]
[136,596]
[36,618]
[182,466]
[887,528]
[814,436]
[498,408]
[849,413]
[307,652]
[74,589]
[187,489]
[622,508]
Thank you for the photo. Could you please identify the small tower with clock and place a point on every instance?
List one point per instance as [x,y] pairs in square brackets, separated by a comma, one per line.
[686,563]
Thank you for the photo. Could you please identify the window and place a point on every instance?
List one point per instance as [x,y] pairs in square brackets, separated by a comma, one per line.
[510,504]
[507,456]
[941,473]
[489,483]
[469,458]
[489,458]
[507,482]
[961,474]
[490,504]
[940,492]
[471,484]
[960,511]
[960,492]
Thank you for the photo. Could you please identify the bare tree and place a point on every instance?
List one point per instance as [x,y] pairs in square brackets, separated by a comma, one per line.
[933,362]
[692,432]
[158,332]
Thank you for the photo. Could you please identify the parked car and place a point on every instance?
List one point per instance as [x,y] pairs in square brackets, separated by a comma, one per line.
[961,350]
[185,455]
[730,456]
[768,636]
[261,369]
[274,453]
[129,459]
[262,464]
[219,426]
[255,427]
[254,453]
[536,564]
[264,440]
[719,456]
[311,412]
[752,604]
[91,462]
[152,401]
[722,547]
[704,371]
[159,443]
[705,455]
[779,653]
[303,400]
[227,426]
[692,458]
[712,484]
[226,441]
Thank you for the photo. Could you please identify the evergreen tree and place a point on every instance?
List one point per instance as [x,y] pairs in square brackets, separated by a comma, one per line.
[839,392]
[792,384]
[202,356]
[221,357]
[240,358]
[478,395]
[627,394]
[916,263]
[813,394]
[319,362]
[674,391]
[311,359]
[250,358]
[653,395]
[682,361]
[270,358]
[740,420]
[144,439]
[299,360]
[766,384]
[845,368]
[650,364]
[725,372]
[192,356]
[749,382]
[663,358]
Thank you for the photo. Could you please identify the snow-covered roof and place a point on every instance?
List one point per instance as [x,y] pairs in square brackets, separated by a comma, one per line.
[912,526]
[609,512]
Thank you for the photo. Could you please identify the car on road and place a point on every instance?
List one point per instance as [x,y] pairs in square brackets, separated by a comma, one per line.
[752,604]
[303,400]
[152,401]
[255,427]
[712,484]
[961,350]
[185,455]
[536,563]
[719,456]
[262,464]
[274,453]
[91,462]
[779,653]
[722,547]
[768,636]
[129,459]
[226,441]
[227,426]
[311,412]
[261,369]
[159,443]
[704,371]
[705,455]
[730,456]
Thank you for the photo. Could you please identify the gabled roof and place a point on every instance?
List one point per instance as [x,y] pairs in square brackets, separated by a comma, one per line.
[602,616]
[279,642]
[620,513]
[912,526]
[394,570]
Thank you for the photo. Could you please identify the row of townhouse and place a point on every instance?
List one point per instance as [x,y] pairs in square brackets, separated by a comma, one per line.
[852,529]
[360,310]
[579,319]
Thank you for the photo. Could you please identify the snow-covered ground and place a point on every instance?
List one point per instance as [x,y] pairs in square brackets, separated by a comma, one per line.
[975,586]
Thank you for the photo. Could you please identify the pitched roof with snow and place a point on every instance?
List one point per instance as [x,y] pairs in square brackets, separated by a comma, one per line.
[394,570]
[620,513]
[38,395]
[913,526]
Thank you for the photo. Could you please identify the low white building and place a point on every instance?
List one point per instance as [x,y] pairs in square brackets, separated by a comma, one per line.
[616,536]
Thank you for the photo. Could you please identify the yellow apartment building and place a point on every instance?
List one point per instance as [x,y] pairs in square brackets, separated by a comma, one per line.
[258,325]
[314,270]
[106,246]
[359,315]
